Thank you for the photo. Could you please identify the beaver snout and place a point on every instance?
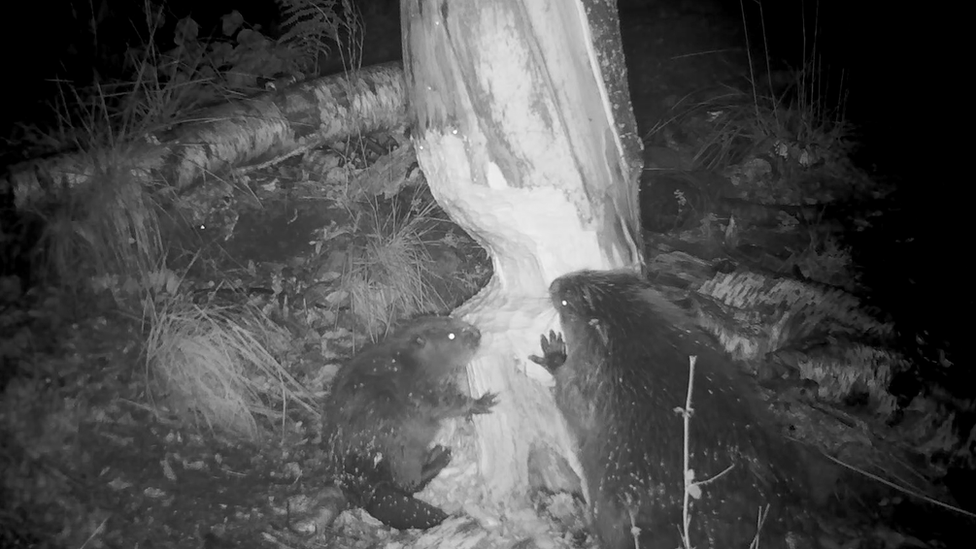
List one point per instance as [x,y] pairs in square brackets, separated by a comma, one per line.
[470,336]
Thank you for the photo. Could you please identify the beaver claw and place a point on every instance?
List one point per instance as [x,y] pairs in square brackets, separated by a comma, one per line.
[484,404]
[553,352]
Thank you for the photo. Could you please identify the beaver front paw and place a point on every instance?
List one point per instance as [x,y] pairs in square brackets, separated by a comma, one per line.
[437,459]
[553,352]
[483,405]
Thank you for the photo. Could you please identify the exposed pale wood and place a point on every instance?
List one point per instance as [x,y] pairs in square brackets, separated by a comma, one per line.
[234,134]
[526,146]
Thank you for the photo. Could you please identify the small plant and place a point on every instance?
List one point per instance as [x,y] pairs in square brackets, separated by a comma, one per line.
[692,489]
[311,25]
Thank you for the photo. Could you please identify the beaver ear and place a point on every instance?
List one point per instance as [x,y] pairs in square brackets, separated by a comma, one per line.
[419,341]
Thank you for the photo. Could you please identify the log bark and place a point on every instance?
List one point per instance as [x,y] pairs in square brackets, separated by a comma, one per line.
[524,130]
[231,135]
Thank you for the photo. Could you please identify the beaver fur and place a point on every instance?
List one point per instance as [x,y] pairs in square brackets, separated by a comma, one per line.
[384,409]
[620,376]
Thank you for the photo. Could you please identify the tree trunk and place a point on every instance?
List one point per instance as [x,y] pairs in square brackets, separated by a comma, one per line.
[234,134]
[525,132]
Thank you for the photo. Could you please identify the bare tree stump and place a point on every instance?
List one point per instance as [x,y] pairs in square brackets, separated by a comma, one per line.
[525,133]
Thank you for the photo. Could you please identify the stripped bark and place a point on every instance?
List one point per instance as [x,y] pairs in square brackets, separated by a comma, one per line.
[233,134]
[525,133]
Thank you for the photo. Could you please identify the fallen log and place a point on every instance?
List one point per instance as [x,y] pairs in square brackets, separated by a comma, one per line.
[231,135]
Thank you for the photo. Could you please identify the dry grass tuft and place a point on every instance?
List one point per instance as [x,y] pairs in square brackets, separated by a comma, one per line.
[391,278]
[217,365]
[109,229]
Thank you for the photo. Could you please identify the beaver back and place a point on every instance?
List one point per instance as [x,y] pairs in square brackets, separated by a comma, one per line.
[625,373]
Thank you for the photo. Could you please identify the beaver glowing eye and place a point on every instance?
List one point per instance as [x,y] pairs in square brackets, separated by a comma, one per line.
[451,336]
[564,303]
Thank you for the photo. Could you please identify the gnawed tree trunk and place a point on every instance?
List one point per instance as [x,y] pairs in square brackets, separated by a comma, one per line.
[234,134]
[525,133]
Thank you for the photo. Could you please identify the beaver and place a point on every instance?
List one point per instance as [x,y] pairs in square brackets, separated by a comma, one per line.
[621,372]
[384,409]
